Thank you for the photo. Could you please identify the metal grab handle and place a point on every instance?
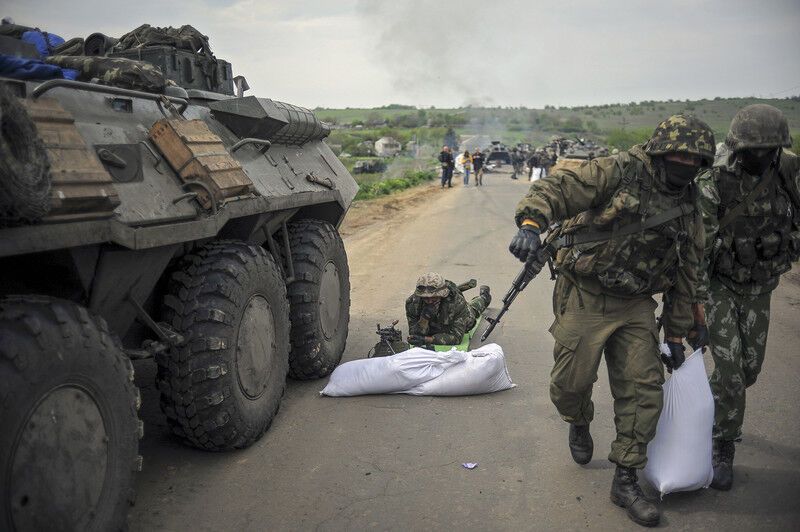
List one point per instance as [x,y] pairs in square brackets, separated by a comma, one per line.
[154,154]
[265,144]
[106,89]
[212,199]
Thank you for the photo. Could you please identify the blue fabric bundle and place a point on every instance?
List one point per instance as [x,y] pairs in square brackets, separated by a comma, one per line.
[22,68]
[43,41]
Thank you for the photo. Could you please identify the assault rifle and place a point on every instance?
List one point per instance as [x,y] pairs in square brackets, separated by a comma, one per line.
[531,269]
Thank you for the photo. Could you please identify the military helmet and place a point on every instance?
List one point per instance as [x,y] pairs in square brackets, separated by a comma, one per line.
[682,134]
[431,285]
[758,126]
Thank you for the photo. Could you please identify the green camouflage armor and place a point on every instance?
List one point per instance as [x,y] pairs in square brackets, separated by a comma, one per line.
[742,265]
[454,318]
[603,298]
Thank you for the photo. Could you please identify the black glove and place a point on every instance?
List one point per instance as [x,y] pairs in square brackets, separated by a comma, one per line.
[675,358]
[525,242]
[698,336]
[416,339]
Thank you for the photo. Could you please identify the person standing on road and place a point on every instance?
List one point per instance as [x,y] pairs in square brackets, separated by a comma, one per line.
[448,163]
[438,313]
[467,158]
[750,200]
[630,230]
[477,161]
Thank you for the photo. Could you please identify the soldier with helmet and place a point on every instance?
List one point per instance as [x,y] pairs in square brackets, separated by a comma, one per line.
[630,230]
[750,204]
[438,313]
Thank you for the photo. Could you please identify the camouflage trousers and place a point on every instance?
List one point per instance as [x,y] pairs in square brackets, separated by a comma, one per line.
[477,305]
[589,325]
[738,326]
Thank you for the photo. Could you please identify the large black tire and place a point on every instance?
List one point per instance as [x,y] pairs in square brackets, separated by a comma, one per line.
[69,429]
[319,299]
[24,166]
[221,389]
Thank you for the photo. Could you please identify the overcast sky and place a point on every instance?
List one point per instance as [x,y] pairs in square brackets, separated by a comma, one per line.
[361,53]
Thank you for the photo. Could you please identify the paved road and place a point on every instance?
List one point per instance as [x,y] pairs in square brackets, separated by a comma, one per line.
[394,462]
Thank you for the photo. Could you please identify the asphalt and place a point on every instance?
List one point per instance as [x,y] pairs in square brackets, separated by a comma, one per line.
[394,462]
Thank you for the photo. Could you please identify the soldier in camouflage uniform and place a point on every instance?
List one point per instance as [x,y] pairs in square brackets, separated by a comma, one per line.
[749,201]
[631,230]
[438,313]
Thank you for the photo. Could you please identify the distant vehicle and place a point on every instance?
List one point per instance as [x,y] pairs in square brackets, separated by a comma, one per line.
[498,154]
[370,166]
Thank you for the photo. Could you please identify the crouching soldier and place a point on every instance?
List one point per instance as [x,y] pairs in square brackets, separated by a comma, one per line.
[631,230]
[438,313]
[750,205]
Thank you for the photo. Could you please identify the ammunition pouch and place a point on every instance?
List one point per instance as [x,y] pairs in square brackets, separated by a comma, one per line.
[745,251]
[769,245]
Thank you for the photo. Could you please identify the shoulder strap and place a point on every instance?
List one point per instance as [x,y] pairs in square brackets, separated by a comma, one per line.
[735,212]
[648,223]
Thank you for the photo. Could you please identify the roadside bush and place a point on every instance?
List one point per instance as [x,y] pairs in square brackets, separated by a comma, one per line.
[387,186]
[625,138]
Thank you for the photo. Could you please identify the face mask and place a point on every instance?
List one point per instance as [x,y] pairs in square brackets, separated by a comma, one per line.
[754,163]
[679,175]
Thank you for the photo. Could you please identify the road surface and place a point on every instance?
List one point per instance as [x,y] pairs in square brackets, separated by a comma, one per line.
[394,462]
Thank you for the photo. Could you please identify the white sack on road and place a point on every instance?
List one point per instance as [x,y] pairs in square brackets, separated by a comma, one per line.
[484,371]
[422,372]
[389,374]
[679,457]
[536,174]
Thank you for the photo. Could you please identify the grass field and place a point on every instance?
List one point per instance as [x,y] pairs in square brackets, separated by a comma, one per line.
[615,125]
[513,125]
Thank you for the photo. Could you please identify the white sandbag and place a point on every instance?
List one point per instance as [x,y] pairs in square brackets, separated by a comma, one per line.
[390,374]
[537,173]
[484,371]
[679,457]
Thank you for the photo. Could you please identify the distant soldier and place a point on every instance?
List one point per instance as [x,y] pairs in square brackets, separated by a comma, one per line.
[533,162]
[448,164]
[438,313]
[750,202]
[478,159]
[630,230]
[517,161]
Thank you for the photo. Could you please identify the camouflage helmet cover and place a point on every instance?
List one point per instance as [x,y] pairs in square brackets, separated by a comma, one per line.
[431,285]
[758,126]
[682,134]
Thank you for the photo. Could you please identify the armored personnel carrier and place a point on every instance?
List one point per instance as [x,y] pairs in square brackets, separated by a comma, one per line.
[190,226]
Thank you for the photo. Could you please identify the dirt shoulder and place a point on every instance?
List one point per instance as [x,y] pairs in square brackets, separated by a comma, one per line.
[371,213]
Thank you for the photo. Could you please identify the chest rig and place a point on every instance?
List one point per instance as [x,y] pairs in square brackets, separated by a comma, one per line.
[635,243]
[759,242]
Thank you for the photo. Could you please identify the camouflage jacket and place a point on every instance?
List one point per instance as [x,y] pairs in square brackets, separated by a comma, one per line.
[750,254]
[451,322]
[612,192]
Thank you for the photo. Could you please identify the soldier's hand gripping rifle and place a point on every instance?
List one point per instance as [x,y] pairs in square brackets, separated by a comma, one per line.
[531,269]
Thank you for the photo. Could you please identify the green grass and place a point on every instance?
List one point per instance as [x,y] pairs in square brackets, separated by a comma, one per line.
[382,187]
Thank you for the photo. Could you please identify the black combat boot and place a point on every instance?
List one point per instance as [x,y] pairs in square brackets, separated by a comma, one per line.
[626,492]
[484,291]
[723,464]
[581,444]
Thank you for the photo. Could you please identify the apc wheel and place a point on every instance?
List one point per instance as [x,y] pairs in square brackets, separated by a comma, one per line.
[24,166]
[69,430]
[221,389]
[319,299]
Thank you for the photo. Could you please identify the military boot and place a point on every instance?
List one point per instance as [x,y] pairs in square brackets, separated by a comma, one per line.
[626,492]
[581,444]
[723,464]
[484,291]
